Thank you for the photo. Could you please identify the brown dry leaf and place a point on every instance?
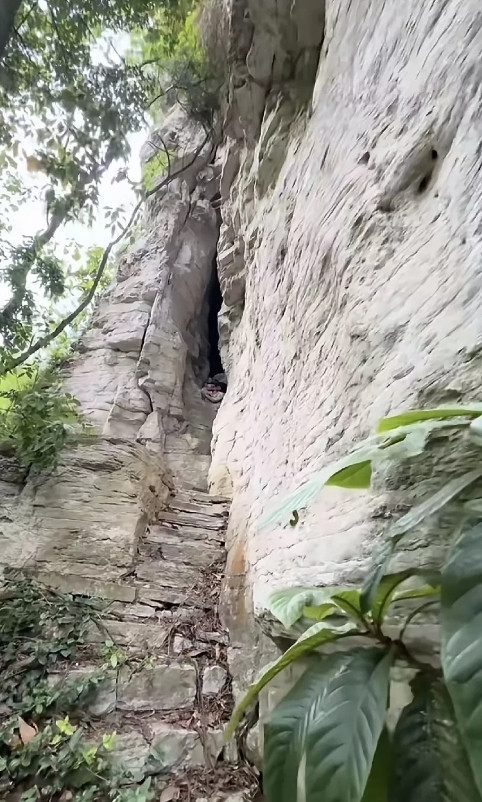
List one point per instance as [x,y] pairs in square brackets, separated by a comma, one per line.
[26,731]
[169,793]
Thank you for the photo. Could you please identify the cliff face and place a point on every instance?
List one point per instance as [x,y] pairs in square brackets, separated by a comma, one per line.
[349,259]
[356,221]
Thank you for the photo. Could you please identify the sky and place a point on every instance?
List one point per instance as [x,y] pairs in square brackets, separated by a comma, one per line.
[30,218]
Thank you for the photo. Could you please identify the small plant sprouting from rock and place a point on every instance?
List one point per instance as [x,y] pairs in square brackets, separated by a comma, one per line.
[45,753]
[327,741]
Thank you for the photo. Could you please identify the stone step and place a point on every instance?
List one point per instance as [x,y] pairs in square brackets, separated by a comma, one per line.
[214,510]
[186,494]
[169,583]
[157,532]
[192,519]
[133,635]
[163,748]
[168,574]
[176,549]
[166,685]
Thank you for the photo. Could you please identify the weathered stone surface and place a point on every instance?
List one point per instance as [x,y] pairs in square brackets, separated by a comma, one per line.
[131,752]
[86,516]
[176,549]
[193,519]
[130,634]
[158,532]
[81,586]
[174,748]
[165,686]
[214,678]
[363,282]
[101,699]
[161,573]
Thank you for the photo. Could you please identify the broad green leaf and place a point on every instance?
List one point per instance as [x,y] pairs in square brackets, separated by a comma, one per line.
[430,762]
[354,477]
[314,637]
[417,415]
[433,503]
[413,518]
[291,604]
[380,562]
[285,733]
[348,600]
[319,611]
[287,605]
[461,619]
[376,789]
[310,489]
[354,469]
[344,733]
[385,592]
[417,593]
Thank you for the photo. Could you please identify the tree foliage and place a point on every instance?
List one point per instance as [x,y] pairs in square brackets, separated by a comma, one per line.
[76,79]
[69,98]
[325,741]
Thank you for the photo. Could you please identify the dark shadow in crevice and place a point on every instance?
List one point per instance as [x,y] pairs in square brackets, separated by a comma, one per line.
[214,300]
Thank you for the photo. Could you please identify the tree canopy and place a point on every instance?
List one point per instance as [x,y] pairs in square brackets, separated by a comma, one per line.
[69,98]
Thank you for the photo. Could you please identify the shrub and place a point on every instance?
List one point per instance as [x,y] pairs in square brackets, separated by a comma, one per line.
[328,736]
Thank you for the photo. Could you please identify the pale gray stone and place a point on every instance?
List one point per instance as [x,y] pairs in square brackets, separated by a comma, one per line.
[173,748]
[214,679]
[164,686]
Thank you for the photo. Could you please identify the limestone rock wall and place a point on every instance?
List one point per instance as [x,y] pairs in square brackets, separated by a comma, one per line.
[350,258]
[137,374]
[125,516]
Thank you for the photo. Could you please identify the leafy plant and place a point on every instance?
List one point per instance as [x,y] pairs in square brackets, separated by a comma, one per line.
[327,741]
[45,749]
[38,417]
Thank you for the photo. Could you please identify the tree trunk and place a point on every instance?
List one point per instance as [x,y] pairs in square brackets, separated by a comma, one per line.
[8,11]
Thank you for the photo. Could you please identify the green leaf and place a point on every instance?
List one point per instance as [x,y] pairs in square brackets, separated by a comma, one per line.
[417,593]
[354,469]
[354,477]
[433,503]
[384,595]
[431,764]
[417,415]
[344,733]
[289,605]
[370,586]
[413,518]
[308,491]
[461,619]
[348,600]
[287,728]
[376,789]
[315,636]
[318,612]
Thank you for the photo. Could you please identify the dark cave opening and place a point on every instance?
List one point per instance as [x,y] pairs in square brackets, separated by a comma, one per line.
[215,300]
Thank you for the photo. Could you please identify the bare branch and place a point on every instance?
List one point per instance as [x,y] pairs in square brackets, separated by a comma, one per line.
[164,148]
[44,341]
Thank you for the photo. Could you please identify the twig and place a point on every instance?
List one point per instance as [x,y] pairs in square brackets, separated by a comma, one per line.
[42,342]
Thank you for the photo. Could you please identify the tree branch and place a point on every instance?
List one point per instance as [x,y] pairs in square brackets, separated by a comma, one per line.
[44,341]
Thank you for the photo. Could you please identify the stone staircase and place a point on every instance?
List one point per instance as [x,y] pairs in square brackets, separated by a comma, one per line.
[169,696]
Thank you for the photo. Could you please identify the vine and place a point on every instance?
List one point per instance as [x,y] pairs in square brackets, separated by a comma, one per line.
[45,751]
